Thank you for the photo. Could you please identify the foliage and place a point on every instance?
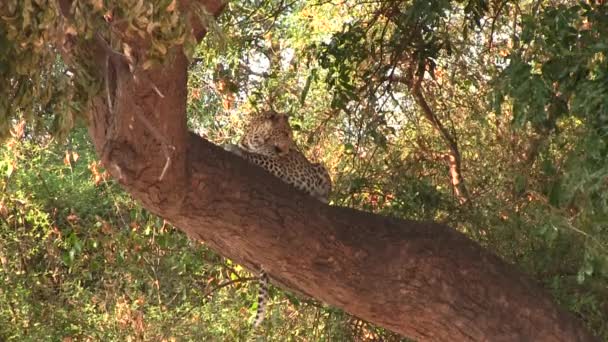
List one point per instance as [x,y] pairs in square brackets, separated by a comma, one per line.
[35,81]
[81,261]
[384,93]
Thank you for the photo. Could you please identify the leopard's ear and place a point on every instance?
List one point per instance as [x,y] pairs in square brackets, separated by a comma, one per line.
[275,116]
[272,115]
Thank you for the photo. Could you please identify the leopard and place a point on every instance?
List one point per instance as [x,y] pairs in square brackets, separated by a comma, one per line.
[268,143]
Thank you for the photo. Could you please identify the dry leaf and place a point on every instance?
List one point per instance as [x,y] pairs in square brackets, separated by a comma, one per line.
[171,6]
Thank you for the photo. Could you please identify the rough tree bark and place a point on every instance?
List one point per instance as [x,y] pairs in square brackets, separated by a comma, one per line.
[421,279]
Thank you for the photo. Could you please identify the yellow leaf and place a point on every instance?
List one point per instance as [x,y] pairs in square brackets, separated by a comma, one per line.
[171,6]
[151,26]
[9,169]
[66,160]
[148,64]
[70,30]
[97,4]
[158,46]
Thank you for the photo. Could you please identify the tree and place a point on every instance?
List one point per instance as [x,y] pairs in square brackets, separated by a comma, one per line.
[423,280]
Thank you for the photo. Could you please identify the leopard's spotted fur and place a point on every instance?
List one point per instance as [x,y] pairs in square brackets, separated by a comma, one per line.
[293,169]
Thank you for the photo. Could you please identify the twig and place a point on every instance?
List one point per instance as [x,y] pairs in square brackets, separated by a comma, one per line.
[165,146]
[230,282]
[107,82]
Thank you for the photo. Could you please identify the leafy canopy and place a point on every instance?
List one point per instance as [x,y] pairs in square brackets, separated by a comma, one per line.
[517,88]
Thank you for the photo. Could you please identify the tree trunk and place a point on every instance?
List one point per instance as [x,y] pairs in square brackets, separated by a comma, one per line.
[421,279]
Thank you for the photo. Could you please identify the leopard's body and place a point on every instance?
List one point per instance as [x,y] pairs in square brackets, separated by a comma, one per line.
[294,169]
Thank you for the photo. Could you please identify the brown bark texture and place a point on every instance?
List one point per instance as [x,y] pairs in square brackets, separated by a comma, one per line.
[421,279]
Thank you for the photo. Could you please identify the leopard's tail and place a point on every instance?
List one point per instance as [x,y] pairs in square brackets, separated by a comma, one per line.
[262,300]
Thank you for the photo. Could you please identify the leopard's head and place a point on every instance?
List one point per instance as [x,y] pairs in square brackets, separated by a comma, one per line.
[269,134]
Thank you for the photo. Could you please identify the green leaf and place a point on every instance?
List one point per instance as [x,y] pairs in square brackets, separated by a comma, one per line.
[307,86]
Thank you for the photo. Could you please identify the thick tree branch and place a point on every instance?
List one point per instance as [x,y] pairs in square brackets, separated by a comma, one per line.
[423,280]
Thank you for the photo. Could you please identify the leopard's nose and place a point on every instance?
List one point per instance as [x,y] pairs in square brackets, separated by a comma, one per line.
[281,151]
